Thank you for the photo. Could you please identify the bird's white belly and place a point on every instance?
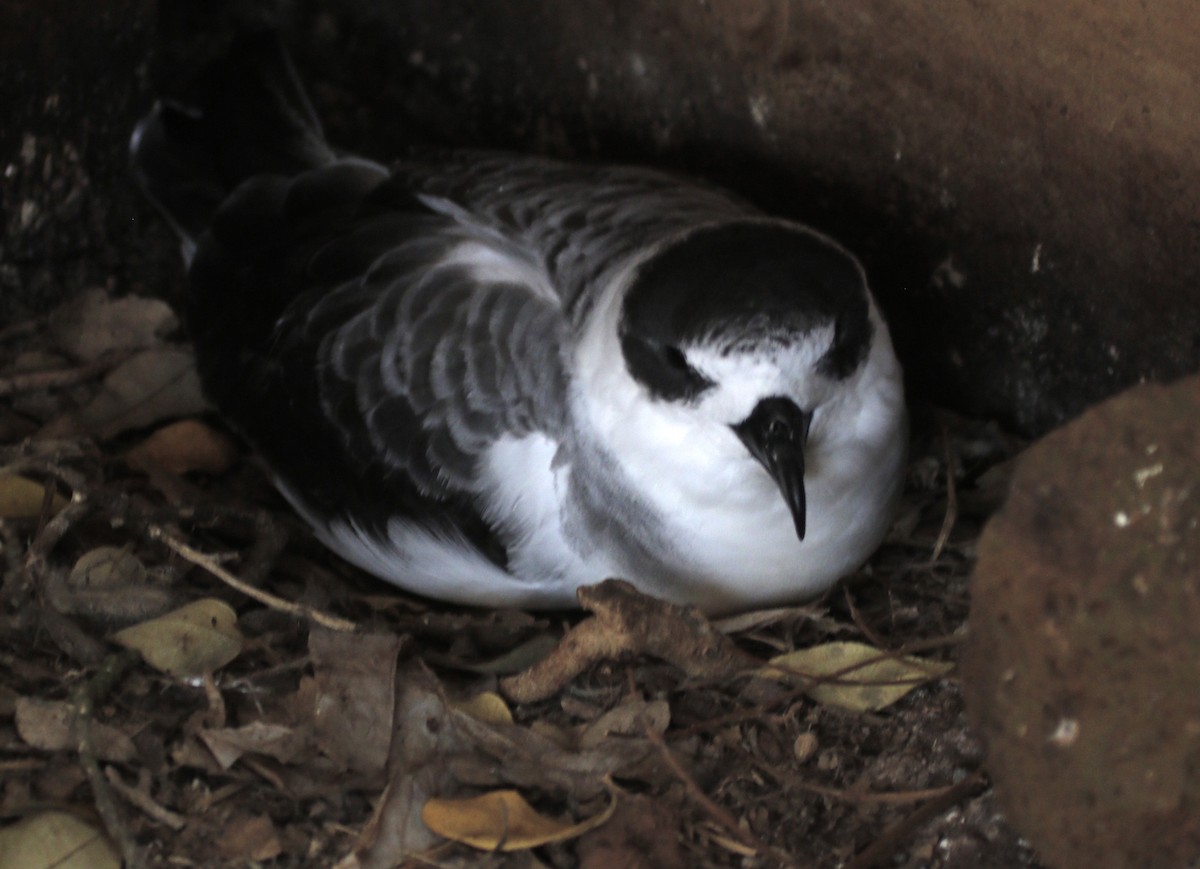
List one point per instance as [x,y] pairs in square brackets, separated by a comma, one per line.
[743,552]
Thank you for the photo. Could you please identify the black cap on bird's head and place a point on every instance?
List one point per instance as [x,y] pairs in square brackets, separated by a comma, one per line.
[741,286]
[748,288]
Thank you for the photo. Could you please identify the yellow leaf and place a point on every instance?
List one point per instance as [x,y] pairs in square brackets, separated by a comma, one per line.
[502,821]
[107,567]
[58,840]
[190,641]
[488,707]
[185,446]
[857,677]
[21,498]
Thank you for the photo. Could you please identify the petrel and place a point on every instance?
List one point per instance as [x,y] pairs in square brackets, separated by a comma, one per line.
[491,378]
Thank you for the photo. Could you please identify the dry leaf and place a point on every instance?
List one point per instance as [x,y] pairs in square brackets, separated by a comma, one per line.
[424,739]
[805,746]
[487,707]
[46,724]
[154,385]
[107,567]
[91,324]
[354,705]
[631,718]
[22,498]
[503,821]
[110,584]
[195,639]
[878,683]
[55,840]
[274,740]
[183,447]
[250,839]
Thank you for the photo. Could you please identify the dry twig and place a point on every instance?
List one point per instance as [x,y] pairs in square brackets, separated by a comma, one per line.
[142,800]
[880,851]
[208,563]
[83,701]
[625,621]
[57,378]
[951,517]
[718,812]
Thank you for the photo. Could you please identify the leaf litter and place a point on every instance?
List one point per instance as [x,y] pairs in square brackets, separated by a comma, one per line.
[282,707]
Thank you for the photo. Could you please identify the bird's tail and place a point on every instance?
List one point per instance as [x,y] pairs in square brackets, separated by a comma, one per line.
[244,115]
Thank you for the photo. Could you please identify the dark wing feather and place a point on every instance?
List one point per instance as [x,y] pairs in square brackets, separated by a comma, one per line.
[370,372]
[583,222]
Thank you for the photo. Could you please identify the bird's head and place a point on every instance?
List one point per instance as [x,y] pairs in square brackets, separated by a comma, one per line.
[761,328]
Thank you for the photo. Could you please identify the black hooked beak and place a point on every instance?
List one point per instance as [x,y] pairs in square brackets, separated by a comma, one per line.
[775,433]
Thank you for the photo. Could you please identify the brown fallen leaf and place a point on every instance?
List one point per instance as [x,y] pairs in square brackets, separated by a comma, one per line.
[107,567]
[437,748]
[91,324]
[354,703]
[183,447]
[228,744]
[631,718]
[22,498]
[153,385]
[46,725]
[251,839]
[805,746]
[423,740]
[625,621]
[110,584]
[193,640]
[502,821]
[55,840]
[854,676]
[526,758]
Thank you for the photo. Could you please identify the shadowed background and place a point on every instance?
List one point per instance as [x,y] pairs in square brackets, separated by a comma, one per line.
[1022,180]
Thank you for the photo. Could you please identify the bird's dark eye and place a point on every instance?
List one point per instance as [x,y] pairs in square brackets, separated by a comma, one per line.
[662,368]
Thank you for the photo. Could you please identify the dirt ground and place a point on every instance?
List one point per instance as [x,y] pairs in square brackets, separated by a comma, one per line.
[240,761]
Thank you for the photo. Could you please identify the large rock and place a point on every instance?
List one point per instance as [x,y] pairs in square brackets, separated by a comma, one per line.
[1021,177]
[1082,669]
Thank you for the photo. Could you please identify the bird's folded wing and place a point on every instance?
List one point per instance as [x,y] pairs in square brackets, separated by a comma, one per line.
[370,348]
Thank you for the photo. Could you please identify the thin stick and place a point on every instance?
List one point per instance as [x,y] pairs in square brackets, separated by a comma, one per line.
[718,812]
[139,799]
[872,637]
[83,700]
[10,547]
[882,849]
[210,564]
[57,378]
[858,794]
[951,517]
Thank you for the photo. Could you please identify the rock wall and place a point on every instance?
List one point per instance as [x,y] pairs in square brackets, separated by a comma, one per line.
[72,83]
[1022,179]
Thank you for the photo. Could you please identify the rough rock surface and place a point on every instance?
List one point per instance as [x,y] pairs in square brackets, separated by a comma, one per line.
[1082,672]
[1021,178]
